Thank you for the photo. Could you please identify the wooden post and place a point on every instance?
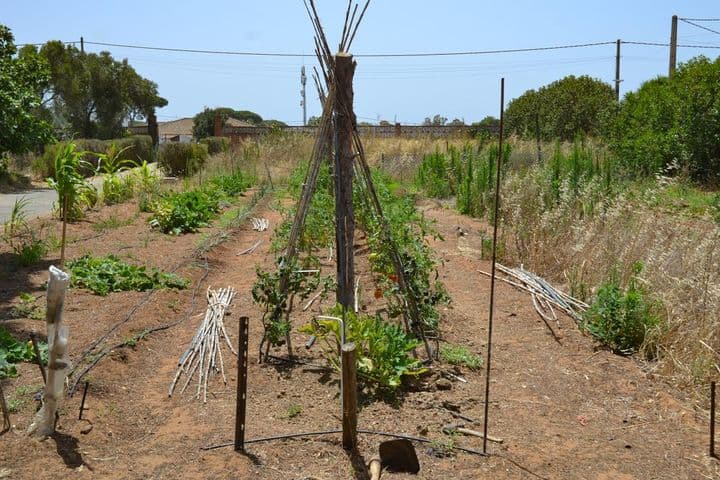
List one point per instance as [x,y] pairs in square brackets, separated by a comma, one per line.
[241,385]
[5,412]
[617,70]
[64,230]
[673,45]
[349,396]
[712,419]
[344,157]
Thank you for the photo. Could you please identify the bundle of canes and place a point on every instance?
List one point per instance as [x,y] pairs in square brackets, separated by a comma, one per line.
[204,355]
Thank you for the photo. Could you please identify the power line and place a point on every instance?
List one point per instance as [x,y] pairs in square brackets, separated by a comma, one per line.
[366,55]
[699,26]
[701,19]
[659,44]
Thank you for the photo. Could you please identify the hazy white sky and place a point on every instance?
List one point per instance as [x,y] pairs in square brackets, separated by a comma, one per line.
[406,89]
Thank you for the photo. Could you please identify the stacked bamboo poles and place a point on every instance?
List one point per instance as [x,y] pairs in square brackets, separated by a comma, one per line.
[545,297]
[204,354]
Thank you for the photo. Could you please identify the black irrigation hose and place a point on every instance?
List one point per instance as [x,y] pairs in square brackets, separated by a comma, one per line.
[330,432]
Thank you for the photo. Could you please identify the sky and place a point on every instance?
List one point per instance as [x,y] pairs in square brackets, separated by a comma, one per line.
[395,89]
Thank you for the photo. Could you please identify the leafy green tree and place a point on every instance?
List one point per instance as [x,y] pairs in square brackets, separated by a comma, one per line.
[204,122]
[563,109]
[92,94]
[437,120]
[21,82]
[673,122]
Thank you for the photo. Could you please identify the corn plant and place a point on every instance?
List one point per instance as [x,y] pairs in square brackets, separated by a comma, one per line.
[74,192]
[110,163]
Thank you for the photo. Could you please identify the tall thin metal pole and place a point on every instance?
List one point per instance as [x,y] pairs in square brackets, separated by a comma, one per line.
[494,260]
[82,45]
[617,70]
[673,45]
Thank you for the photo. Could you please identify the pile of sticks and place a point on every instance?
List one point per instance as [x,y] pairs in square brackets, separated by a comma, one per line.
[204,354]
[545,297]
[260,224]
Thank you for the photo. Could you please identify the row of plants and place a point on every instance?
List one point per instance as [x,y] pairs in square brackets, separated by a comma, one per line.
[384,347]
[187,211]
[574,183]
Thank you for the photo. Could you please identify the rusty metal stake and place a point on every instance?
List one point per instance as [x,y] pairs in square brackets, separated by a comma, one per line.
[241,385]
[494,261]
[712,419]
[33,339]
[82,402]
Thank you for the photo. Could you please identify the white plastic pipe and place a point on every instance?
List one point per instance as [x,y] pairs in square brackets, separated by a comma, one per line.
[58,362]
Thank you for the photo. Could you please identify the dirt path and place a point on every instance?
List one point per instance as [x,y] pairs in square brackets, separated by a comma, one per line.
[563,410]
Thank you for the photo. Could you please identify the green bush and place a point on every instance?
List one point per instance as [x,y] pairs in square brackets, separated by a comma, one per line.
[182,159]
[621,318]
[185,212]
[216,145]
[136,149]
[102,275]
[563,109]
[673,123]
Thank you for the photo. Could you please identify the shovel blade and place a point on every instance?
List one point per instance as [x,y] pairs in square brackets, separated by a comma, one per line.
[399,456]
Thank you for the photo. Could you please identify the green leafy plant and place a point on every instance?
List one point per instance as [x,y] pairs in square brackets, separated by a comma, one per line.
[278,302]
[115,189]
[294,410]
[621,318]
[25,241]
[383,349]
[185,212]
[27,308]
[460,355]
[103,275]
[12,351]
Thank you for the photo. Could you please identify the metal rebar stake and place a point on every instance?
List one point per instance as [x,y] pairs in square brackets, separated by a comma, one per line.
[492,271]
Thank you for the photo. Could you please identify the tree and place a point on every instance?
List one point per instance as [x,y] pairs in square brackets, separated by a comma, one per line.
[437,120]
[673,122]
[313,121]
[92,95]
[486,127]
[563,109]
[456,122]
[21,82]
[204,122]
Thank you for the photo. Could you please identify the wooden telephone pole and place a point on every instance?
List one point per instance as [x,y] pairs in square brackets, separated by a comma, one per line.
[617,70]
[673,45]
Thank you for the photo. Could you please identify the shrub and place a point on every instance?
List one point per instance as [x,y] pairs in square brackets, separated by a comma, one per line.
[139,148]
[216,145]
[673,121]
[563,109]
[102,275]
[182,159]
[620,318]
[185,212]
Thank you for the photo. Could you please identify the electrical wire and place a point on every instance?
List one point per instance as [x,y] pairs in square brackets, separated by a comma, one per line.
[701,19]
[699,26]
[660,44]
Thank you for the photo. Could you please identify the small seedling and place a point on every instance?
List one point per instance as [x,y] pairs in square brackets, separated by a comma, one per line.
[294,410]
[460,355]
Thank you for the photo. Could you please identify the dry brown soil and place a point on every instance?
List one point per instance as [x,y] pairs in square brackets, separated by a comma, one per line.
[565,410]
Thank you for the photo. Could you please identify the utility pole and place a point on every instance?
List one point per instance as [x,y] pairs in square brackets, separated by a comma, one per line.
[617,70]
[303,80]
[82,45]
[673,45]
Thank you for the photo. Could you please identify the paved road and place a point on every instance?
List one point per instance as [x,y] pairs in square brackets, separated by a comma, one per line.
[40,202]
[41,199]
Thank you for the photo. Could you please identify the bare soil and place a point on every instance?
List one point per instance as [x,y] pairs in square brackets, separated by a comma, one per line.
[564,409]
